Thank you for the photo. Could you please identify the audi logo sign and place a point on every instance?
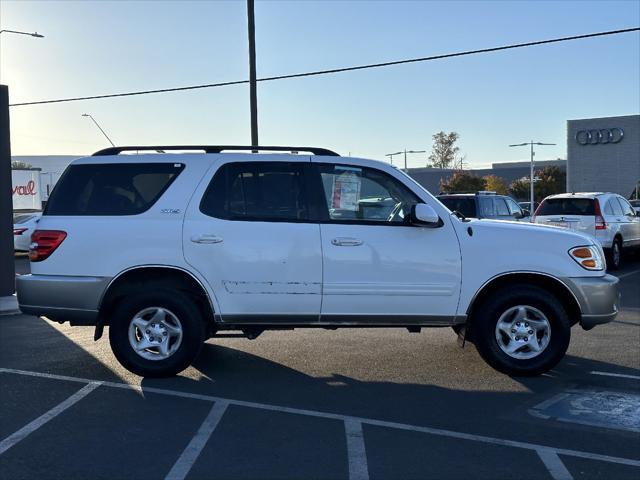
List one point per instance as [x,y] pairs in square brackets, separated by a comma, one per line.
[599,136]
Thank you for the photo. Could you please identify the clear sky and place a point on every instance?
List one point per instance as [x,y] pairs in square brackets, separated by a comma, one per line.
[491,100]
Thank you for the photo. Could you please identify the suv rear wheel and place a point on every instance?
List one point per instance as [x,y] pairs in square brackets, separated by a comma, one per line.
[523,330]
[156,334]
[615,254]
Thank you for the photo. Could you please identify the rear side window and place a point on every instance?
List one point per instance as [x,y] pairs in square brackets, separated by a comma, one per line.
[613,207]
[567,206]
[501,207]
[111,189]
[259,191]
[465,205]
[487,208]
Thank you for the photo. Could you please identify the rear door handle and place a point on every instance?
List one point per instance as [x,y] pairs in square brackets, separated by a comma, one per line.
[206,238]
[346,242]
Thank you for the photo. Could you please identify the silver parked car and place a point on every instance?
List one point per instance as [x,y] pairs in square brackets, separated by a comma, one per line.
[608,217]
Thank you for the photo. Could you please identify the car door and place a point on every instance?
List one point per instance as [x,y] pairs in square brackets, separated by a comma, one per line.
[377,267]
[247,231]
[630,223]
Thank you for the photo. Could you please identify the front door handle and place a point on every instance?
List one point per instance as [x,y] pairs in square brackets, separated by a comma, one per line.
[206,238]
[346,242]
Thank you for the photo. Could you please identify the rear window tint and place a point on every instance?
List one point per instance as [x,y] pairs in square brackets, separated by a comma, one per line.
[567,206]
[111,189]
[465,205]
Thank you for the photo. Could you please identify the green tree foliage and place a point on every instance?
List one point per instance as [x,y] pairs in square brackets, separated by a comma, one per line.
[444,150]
[16,164]
[551,180]
[462,182]
[496,184]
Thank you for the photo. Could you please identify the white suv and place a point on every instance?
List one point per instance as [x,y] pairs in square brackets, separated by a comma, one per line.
[608,217]
[171,249]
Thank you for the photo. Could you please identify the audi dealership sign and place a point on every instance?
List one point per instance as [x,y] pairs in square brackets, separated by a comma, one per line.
[599,136]
[25,190]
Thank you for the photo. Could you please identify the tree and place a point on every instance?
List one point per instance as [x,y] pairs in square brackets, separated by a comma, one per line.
[462,182]
[444,150]
[16,164]
[550,180]
[496,184]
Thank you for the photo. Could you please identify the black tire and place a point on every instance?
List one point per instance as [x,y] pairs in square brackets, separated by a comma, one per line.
[487,314]
[614,255]
[186,311]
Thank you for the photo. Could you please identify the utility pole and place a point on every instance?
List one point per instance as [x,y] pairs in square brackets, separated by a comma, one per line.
[253,94]
[531,144]
[7,271]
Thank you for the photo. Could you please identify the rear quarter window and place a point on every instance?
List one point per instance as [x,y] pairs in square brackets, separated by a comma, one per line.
[111,189]
[567,206]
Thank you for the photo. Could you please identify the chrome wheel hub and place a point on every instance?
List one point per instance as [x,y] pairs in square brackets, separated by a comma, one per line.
[155,333]
[523,332]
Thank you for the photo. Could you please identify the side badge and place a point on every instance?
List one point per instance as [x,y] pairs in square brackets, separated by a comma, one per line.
[170,210]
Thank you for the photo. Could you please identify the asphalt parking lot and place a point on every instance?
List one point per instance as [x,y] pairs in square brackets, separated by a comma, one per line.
[357,404]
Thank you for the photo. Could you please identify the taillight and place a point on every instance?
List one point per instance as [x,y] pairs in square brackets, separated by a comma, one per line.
[44,243]
[600,223]
[19,231]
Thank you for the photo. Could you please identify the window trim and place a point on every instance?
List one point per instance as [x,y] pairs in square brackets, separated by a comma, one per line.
[304,170]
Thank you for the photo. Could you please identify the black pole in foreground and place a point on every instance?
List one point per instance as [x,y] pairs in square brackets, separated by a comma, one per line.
[7,268]
[253,95]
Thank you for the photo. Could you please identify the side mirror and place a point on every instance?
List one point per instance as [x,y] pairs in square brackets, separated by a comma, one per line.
[518,215]
[424,215]
[525,213]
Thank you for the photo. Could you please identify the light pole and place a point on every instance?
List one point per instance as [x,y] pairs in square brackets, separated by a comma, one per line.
[34,34]
[531,144]
[99,127]
[410,151]
[253,94]
[391,155]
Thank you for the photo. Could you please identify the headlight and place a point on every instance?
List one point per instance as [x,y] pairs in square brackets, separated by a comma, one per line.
[589,257]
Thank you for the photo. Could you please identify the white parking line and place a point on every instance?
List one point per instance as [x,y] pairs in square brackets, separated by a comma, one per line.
[611,374]
[312,413]
[555,466]
[31,427]
[627,274]
[190,454]
[358,469]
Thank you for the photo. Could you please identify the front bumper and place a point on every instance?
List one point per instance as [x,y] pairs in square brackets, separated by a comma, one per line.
[598,298]
[61,298]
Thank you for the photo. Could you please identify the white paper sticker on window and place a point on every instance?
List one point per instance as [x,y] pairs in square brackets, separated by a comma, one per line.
[346,191]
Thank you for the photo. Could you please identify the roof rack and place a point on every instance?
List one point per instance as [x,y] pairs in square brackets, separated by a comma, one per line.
[213,149]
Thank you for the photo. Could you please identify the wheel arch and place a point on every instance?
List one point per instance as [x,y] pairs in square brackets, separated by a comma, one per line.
[552,284]
[154,276]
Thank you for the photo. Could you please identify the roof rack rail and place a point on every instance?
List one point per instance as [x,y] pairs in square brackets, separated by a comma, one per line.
[213,149]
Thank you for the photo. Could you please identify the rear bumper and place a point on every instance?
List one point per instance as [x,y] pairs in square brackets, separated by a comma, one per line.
[61,298]
[598,298]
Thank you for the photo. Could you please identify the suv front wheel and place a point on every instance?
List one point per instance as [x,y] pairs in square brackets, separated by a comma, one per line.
[522,330]
[156,334]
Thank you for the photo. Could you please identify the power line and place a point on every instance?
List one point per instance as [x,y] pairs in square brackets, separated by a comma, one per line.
[335,70]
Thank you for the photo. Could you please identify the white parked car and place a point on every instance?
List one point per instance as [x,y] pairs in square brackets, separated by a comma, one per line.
[23,227]
[171,249]
[608,217]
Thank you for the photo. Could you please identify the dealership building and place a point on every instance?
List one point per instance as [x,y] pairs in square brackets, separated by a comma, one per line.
[603,154]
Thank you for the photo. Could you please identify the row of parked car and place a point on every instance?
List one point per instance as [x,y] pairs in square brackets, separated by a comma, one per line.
[610,218]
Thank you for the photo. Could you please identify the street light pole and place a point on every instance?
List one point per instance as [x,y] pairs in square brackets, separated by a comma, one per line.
[410,151]
[531,180]
[391,155]
[99,127]
[34,34]
[253,94]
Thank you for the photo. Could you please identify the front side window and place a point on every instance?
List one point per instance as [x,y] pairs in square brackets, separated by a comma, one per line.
[487,207]
[111,189]
[513,206]
[358,194]
[259,191]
